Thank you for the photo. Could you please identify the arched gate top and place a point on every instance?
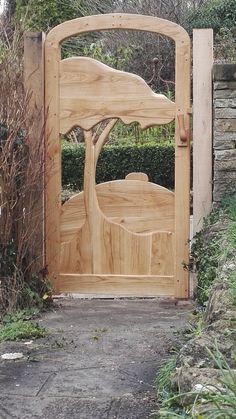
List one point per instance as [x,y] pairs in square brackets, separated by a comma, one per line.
[112,21]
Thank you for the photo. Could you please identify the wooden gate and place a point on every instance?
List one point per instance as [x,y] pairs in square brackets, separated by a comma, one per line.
[130,236]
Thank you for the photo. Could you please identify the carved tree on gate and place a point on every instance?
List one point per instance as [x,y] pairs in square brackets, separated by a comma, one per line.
[92,92]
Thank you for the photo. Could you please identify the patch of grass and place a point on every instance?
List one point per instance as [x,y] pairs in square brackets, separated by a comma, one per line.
[216,402]
[95,337]
[232,284]
[19,325]
[163,380]
[98,334]
[100,330]
[21,329]
[25,314]
[222,402]
[172,414]
[164,388]
[196,324]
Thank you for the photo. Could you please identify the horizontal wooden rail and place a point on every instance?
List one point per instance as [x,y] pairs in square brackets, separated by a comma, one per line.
[135,285]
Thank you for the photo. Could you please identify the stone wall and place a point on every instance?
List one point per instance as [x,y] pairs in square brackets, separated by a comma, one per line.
[224,139]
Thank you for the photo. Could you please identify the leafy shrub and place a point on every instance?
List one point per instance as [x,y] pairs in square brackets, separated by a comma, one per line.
[116,161]
[214,14]
[214,245]
[225,46]
[24,315]
[205,251]
[133,134]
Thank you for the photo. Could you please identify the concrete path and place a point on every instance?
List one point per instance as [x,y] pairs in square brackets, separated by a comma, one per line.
[99,362]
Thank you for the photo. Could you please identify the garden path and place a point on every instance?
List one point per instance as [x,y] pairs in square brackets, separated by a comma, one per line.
[99,361]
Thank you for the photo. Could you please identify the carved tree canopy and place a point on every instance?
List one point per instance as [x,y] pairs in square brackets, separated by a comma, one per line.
[91,92]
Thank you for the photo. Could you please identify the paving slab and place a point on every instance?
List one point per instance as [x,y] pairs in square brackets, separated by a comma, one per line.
[99,361]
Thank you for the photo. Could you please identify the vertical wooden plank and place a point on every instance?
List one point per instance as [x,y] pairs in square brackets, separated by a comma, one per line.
[52,162]
[162,262]
[182,167]
[202,125]
[34,88]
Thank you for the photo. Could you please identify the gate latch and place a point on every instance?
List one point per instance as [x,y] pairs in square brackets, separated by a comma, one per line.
[184,134]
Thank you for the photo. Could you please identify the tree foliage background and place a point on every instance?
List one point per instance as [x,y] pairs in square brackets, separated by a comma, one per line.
[132,51]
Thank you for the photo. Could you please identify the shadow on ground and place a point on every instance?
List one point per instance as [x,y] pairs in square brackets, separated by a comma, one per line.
[99,361]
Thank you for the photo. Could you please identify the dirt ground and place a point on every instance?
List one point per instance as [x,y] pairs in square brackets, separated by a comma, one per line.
[99,361]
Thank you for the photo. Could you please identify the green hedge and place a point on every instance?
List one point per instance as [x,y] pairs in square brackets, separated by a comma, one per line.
[116,161]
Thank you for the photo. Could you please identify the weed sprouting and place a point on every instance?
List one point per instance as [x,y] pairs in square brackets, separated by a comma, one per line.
[20,325]
[211,402]
[21,329]
[163,380]
[15,316]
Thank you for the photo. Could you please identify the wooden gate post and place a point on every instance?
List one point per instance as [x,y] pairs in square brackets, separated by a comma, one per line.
[202,125]
[34,88]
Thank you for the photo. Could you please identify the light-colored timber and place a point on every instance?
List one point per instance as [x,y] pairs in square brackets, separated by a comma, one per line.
[120,251]
[123,285]
[137,205]
[118,21]
[137,176]
[202,125]
[91,92]
[52,163]
[128,236]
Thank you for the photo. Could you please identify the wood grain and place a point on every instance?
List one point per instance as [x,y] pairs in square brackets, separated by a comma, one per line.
[76,253]
[137,205]
[117,251]
[109,248]
[118,21]
[162,262]
[91,92]
[123,285]
[182,168]
[105,234]
[52,163]
[137,176]
[202,125]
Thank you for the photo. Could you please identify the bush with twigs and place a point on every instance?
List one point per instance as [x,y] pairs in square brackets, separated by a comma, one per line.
[22,280]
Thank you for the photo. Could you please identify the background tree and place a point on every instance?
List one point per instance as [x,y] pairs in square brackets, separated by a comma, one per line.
[132,51]
[216,14]
[41,15]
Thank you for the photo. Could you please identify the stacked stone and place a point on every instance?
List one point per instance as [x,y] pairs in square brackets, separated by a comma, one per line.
[224,143]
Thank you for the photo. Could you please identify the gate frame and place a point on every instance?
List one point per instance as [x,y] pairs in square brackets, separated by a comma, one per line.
[68,29]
